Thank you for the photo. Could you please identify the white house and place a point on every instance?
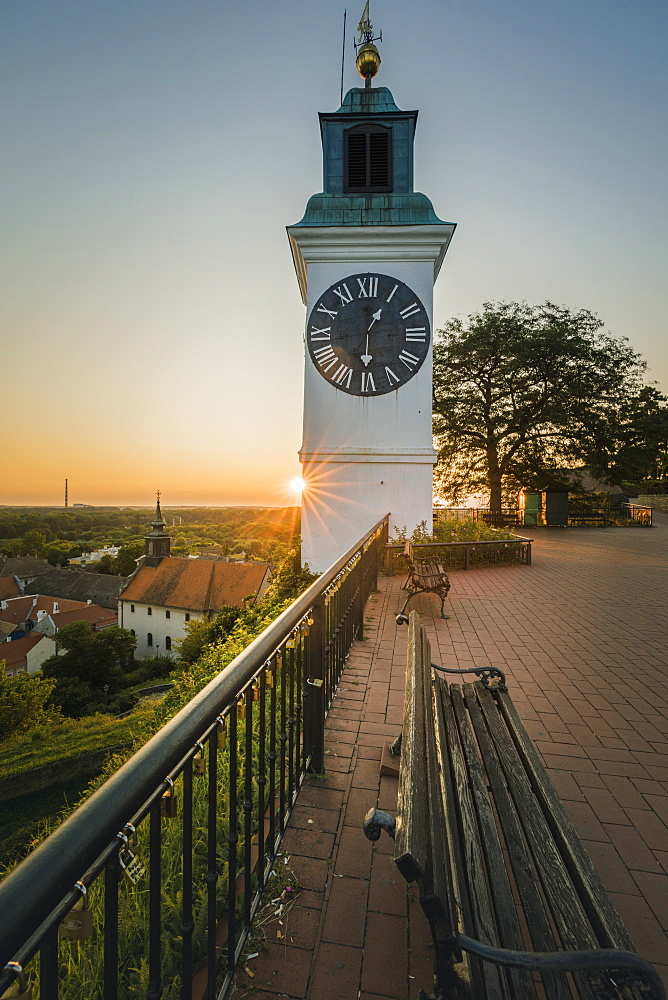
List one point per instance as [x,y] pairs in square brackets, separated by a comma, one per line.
[165,593]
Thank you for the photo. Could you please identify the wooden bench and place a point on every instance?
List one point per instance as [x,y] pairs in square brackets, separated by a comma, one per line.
[425,576]
[601,519]
[504,880]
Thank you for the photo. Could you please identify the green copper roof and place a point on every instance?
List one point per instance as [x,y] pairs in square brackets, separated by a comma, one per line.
[412,209]
[368,101]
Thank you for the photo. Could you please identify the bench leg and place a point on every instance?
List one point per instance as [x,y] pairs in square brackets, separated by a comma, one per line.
[402,617]
[443,597]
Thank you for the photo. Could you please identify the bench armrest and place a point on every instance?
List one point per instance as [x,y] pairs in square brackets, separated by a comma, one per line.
[633,966]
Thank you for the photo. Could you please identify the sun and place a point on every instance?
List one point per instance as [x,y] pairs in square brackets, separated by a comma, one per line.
[297,485]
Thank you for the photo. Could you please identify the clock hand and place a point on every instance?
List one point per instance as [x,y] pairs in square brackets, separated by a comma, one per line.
[376,317]
[366,358]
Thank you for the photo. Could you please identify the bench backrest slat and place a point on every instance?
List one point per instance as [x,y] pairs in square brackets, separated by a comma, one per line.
[471,886]
[573,929]
[509,931]
[606,921]
[411,844]
[521,864]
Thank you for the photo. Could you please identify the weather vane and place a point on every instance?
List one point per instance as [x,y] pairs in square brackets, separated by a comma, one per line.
[368,56]
[365,29]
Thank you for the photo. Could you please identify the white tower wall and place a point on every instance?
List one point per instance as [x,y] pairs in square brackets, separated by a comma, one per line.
[363,457]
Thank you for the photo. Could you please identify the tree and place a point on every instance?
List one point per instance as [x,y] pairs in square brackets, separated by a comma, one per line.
[23,702]
[125,562]
[199,632]
[290,578]
[33,543]
[91,671]
[520,391]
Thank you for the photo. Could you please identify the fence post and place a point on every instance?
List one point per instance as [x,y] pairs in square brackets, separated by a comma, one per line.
[467,556]
[314,715]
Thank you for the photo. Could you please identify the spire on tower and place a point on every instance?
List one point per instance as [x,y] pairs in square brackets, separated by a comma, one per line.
[157,517]
[157,541]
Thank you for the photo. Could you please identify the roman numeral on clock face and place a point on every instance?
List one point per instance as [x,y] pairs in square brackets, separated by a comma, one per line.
[368,384]
[391,377]
[389,297]
[326,357]
[343,375]
[344,295]
[408,359]
[409,310]
[368,287]
[418,333]
[323,334]
[332,313]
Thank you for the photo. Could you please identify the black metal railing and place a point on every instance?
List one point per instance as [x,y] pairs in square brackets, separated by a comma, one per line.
[464,555]
[170,856]
[637,513]
[506,517]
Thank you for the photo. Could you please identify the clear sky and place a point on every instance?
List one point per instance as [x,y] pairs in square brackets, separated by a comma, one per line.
[154,151]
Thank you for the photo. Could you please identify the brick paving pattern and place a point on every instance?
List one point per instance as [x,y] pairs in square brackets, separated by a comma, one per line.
[582,636]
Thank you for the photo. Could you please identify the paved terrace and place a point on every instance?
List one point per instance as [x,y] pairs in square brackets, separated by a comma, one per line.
[582,637]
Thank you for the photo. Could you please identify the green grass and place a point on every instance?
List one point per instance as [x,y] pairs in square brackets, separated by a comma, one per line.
[22,819]
[46,745]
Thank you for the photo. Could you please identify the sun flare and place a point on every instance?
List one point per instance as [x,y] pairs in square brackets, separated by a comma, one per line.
[297,485]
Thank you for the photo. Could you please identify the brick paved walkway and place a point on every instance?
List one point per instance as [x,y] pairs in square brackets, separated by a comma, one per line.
[582,636]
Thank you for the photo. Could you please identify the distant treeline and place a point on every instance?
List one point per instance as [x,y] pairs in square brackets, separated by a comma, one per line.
[59,534]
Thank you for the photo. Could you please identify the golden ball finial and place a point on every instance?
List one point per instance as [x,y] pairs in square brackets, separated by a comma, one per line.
[368,60]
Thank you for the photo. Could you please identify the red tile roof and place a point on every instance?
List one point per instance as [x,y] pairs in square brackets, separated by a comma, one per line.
[22,609]
[14,653]
[9,588]
[196,584]
[93,613]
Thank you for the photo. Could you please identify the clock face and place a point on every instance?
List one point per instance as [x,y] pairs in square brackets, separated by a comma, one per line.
[368,334]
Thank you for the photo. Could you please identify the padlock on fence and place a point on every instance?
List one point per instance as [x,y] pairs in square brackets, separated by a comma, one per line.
[77,925]
[221,733]
[168,802]
[19,988]
[199,763]
[256,689]
[241,709]
[131,865]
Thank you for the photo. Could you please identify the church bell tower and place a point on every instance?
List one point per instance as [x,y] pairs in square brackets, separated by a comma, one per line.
[157,542]
[367,253]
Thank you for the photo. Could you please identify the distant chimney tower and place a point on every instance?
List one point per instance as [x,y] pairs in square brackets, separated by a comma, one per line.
[66,503]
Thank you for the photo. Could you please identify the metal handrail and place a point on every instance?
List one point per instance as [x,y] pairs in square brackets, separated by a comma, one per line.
[472,541]
[42,883]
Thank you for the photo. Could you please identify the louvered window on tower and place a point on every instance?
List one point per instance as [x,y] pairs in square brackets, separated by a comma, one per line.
[368,159]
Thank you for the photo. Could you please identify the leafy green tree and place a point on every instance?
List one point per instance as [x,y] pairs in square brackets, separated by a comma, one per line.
[194,640]
[520,390]
[91,671]
[33,543]
[59,552]
[23,702]
[199,632]
[126,560]
[290,579]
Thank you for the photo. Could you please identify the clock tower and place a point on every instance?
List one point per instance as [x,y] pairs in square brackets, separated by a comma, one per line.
[367,253]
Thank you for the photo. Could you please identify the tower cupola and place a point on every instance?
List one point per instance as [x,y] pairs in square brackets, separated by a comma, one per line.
[157,541]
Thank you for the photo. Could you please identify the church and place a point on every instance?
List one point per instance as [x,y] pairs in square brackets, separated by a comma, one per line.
[166,592]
